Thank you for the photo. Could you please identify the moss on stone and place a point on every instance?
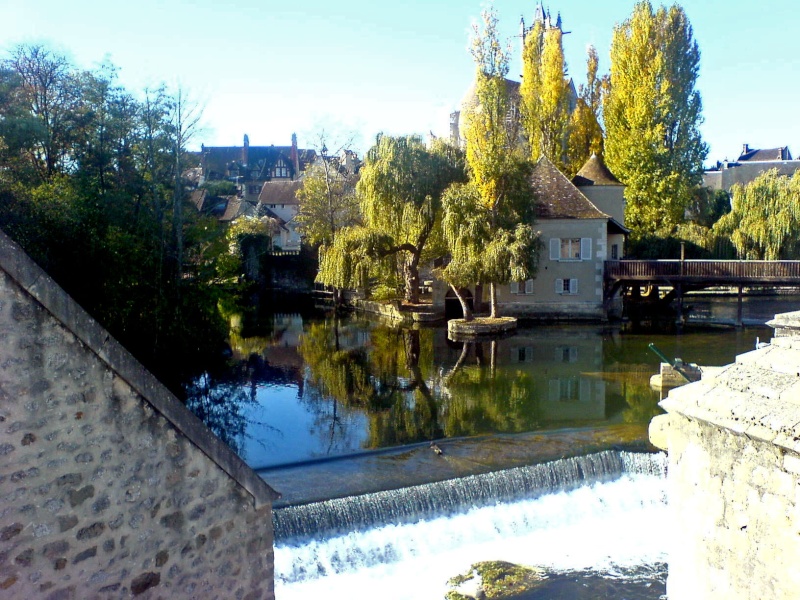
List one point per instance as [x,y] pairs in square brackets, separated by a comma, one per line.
[499,580]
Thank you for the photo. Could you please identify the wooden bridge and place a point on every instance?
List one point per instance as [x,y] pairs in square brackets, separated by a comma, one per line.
[684,276]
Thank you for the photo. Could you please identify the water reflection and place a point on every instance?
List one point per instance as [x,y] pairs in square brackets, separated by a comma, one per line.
[302,387]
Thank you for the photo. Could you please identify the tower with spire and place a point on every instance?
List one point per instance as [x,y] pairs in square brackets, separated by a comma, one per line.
[544,16]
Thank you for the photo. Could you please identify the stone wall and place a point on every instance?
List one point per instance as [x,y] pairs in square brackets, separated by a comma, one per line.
[109,487]
[733,442]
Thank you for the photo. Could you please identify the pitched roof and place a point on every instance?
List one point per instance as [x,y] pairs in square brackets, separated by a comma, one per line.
[755,155]
[594,172]
[557,197]
[280,192]
[253,163]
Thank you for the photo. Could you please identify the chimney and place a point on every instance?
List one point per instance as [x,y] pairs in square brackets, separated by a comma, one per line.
[745,149]
[295,157]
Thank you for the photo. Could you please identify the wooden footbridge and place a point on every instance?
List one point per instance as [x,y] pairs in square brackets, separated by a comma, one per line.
[683,276]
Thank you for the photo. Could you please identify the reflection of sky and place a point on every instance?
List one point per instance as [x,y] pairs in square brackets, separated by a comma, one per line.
[283,429]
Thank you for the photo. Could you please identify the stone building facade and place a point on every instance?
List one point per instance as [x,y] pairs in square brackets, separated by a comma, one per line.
[733,442]
[109,487]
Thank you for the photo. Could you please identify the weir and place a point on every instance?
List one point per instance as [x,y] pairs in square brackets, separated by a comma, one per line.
[604,514]
[445,498]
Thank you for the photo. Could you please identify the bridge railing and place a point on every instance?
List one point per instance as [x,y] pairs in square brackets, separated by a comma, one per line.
[706,270]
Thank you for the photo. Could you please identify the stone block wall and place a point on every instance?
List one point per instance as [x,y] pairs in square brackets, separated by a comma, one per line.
[109,488]
[733,442]
[734,506]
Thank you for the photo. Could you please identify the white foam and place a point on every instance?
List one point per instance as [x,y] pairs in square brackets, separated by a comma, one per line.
[613,526]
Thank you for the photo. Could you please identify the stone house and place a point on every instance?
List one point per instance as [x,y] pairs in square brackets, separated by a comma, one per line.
[751,163]
[278,199]
[580,224]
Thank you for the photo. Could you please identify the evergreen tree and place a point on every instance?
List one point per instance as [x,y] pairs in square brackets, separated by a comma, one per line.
[652,115]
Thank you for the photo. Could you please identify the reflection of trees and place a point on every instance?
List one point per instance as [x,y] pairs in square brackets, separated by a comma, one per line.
[388,379]
[483,398]
[219,405]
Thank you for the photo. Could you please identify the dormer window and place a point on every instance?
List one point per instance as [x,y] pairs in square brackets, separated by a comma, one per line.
[281,169]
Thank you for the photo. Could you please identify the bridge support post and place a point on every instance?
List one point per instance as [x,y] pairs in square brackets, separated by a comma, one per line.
[739,307]
[679,316]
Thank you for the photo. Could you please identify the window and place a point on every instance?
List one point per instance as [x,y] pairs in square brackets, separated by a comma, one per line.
[614,251]
[253,189]
[570,249]
[514,287]
[567,354]
[566,286]
[281,169]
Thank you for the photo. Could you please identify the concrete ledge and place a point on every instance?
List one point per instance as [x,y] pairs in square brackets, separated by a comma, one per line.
[31,278]
[480,326]
[392,310]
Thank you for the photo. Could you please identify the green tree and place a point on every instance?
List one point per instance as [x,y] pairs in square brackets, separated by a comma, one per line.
[764,223]
[399,192]
[544,94]
[652,115]
[327,202]
[488,223]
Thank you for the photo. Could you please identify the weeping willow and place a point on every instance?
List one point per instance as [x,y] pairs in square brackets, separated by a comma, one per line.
[764,223]
[488,223]
[399,193]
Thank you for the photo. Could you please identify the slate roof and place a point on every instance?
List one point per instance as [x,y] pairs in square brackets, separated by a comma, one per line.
[557,197]
[280,192]
[595,172]
[218,161]
[766,154]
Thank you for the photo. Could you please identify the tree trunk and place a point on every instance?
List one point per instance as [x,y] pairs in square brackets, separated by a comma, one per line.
[411,276]
[468,316]
[493,300]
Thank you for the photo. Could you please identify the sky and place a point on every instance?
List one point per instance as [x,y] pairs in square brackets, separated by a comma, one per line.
[354,68]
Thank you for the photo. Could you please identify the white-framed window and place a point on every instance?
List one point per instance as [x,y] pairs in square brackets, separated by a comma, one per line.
[566,249]
[614,251]
[570,389]
[516,287]
[566,286]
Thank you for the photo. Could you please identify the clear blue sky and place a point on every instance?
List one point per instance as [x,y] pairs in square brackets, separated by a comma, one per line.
[269,68]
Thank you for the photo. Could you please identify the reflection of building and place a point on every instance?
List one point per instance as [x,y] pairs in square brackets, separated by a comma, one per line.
[567,367]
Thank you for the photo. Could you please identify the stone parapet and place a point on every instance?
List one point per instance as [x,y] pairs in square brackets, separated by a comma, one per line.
[733,440]
[109,487]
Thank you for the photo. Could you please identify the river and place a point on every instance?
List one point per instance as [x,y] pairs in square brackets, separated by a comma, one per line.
[328,408]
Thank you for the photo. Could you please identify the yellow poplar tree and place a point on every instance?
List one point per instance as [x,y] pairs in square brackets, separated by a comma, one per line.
[544,94]
[585,133]
[652,114]
[487,223]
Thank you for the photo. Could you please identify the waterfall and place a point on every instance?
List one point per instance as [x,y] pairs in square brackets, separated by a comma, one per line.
[605,513]
[322,519]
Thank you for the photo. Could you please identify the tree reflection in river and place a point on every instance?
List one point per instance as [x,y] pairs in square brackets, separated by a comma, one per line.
[306,387]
